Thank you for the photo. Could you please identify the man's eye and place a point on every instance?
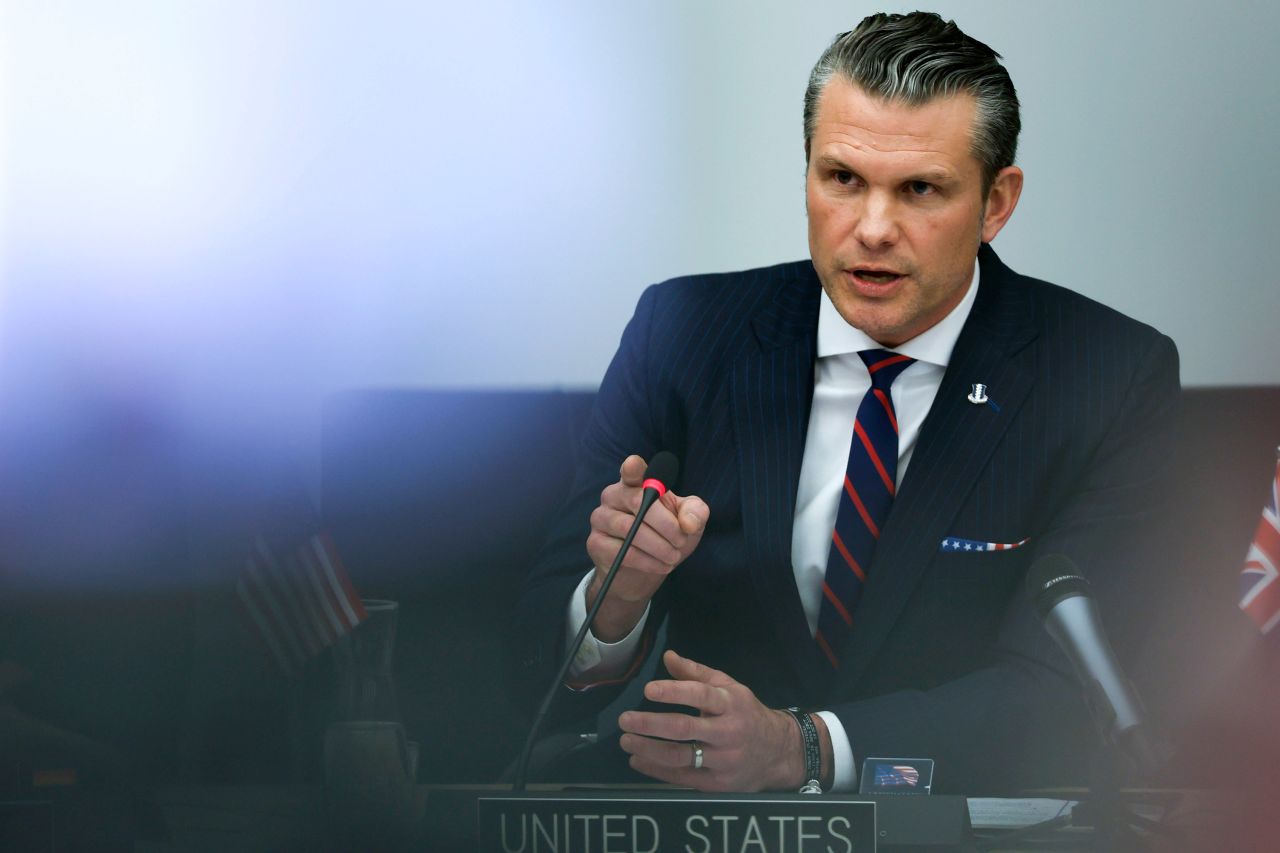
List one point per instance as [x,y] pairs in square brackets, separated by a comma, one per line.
[843,177]
[921,188]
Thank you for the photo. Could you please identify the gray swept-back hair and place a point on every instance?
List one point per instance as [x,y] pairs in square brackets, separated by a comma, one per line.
[915,58]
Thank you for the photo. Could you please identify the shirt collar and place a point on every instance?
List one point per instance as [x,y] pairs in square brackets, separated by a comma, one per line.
[934,345]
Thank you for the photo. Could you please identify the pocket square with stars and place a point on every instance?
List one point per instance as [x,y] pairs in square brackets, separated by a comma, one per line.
[954,544]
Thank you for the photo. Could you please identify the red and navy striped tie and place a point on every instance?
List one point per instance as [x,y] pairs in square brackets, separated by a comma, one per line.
[869,486]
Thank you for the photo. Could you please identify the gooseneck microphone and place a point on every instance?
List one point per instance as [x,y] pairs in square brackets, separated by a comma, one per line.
[661,473]
[1065,602]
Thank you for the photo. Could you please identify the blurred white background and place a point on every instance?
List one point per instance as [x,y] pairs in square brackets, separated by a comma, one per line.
[239,207]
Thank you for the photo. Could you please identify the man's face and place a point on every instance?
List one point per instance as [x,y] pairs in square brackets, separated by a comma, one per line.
[896,208]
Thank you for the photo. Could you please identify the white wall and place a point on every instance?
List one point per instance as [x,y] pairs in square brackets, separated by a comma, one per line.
[260,202]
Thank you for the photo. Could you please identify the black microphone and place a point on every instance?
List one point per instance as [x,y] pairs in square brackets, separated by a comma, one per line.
[662,471]
[1064,600]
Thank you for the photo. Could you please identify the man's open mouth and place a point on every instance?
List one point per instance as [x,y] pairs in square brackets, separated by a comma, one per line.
[877,276]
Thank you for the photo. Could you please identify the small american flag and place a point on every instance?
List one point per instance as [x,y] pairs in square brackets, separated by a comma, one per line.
[898,775]
[1260,591]
[300,602]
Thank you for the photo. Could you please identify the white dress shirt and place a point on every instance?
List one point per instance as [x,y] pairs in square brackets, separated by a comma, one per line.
[840,382]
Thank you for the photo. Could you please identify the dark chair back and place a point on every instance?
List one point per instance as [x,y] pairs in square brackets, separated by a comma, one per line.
[440,499]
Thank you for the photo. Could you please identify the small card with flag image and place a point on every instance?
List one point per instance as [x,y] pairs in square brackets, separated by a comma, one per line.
[956,544]
[896,776]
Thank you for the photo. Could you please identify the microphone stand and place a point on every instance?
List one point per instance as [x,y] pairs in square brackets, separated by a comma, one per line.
[1126,758]
[1129,751]
[649,496]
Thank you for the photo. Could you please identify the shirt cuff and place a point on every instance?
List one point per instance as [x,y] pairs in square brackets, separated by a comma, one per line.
[598,660]
[844,773]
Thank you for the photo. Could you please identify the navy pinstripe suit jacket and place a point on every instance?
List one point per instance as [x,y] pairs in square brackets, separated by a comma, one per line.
[947,658]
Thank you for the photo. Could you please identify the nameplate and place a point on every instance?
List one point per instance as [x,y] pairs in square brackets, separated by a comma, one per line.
[641,823]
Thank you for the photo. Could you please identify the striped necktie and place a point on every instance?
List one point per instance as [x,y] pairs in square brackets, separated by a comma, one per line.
[869,486]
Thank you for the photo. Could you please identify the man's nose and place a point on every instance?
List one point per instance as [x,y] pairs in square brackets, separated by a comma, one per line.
[877,225]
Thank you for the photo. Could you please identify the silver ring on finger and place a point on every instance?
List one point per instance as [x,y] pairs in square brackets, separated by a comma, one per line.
[697,756]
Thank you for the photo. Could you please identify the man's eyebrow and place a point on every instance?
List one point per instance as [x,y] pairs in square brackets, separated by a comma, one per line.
[834,162]
[933,176]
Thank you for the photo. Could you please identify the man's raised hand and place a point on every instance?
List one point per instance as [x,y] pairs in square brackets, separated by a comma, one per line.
[671,531]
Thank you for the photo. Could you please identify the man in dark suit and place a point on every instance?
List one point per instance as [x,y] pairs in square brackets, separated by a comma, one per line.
[877,443]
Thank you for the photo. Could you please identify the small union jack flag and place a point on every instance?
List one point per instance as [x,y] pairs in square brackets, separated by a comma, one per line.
[1259,589]
[955,543]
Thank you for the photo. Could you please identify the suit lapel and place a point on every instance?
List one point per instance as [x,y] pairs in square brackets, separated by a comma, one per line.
[955,443]
[772,391]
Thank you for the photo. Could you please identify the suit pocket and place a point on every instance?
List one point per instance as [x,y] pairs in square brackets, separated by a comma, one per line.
[961,545]
[964,559]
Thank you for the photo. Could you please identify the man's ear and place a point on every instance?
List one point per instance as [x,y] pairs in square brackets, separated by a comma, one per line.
[1002,198]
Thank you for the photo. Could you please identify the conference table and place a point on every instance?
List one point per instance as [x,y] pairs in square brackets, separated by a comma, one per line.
[444,817]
